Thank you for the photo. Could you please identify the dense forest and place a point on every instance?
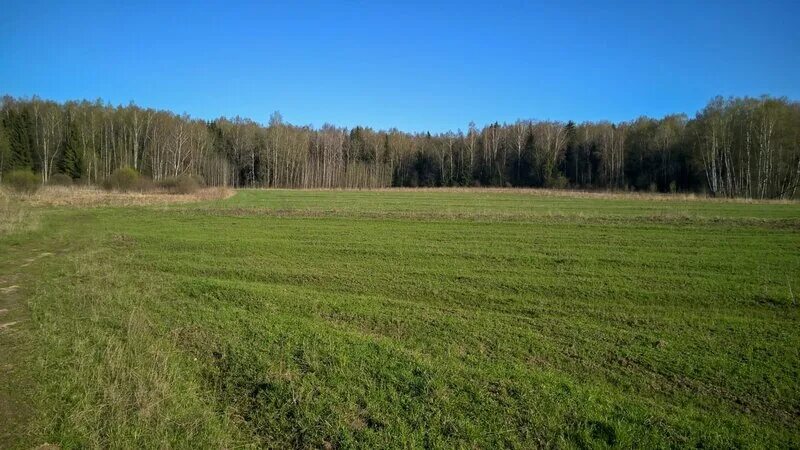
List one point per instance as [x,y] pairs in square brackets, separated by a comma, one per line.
[737,147]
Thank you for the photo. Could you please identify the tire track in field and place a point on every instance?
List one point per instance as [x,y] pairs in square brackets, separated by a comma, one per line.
[15,409]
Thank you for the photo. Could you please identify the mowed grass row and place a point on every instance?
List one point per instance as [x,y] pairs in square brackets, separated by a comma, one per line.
[413,319]
[511,203]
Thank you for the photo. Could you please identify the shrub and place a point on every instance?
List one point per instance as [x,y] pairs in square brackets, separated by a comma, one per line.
[144,184]
[22,181]
[182,184]
[60,179]
[124,179]
[558,182]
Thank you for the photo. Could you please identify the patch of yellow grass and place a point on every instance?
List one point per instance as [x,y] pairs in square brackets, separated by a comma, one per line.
[14,218]
[84,196]
[574,193]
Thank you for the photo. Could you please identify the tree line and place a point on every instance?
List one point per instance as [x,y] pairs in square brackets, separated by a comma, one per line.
[736,147]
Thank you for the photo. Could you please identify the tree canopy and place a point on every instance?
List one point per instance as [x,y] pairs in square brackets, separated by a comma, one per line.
[737,147]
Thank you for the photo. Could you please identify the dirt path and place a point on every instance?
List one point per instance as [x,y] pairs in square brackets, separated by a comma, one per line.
[13,408]
[15,344]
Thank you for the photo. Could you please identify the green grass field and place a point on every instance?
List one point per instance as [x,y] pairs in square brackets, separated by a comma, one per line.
[404,319]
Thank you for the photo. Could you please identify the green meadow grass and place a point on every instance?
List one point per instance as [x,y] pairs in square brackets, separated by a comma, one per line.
[407,319]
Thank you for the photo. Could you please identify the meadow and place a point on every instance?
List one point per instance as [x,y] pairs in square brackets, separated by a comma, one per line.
[472,318]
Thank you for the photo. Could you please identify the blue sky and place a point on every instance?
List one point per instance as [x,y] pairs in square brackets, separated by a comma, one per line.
[411,65]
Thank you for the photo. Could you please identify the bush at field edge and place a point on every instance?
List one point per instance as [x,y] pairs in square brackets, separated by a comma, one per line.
[59,179]
[182,184]
[22,181]
[123,179]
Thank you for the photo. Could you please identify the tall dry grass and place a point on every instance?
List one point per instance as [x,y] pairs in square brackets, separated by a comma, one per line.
[14,217]
[19,212]
[577,193]
[86,196]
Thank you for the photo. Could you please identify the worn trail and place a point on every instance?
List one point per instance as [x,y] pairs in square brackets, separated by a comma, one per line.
[15,345]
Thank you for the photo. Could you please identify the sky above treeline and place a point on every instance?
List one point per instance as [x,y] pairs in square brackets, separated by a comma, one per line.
[416,66]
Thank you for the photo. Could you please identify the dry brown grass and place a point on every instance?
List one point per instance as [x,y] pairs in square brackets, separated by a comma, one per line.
[81,196]
[15,218]
[575,193]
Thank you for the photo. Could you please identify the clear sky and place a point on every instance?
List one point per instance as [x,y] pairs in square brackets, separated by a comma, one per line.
[415,66]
